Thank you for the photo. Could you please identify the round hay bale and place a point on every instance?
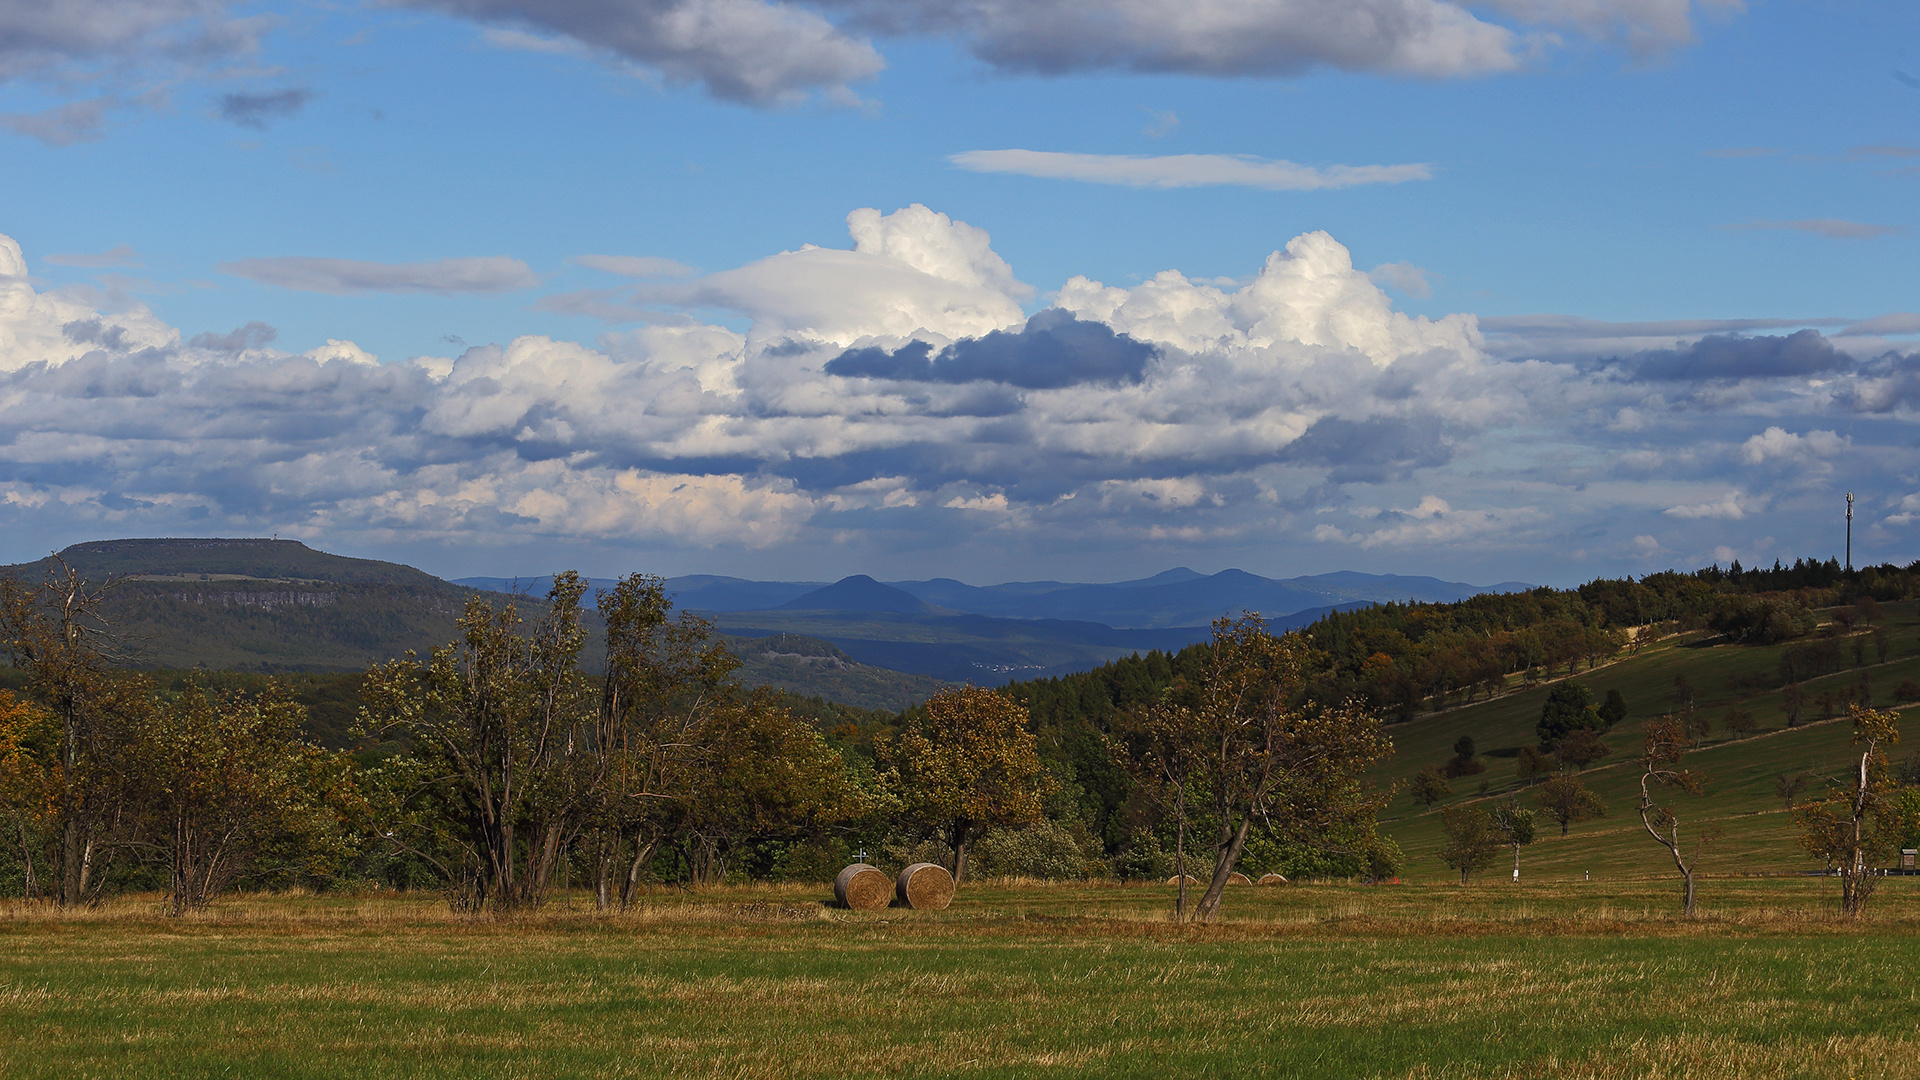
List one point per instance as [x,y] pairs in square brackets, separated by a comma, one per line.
[862,888]
[1175,879]
[924,886]
[1272,879]
[1238,878]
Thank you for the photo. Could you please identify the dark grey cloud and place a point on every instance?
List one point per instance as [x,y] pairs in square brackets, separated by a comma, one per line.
[1888,383]
[254,335]
[1732,357]
[1203,37]
[256,110]
[1374,450]
[122,54]
[747,51]
[1051,351]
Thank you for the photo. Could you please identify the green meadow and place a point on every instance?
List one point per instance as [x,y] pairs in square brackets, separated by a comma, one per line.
[1560,978]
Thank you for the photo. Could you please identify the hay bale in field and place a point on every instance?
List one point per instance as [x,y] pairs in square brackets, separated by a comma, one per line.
[1175,879]
[924,886]
[1238,878]
[862,888]
[1272,879]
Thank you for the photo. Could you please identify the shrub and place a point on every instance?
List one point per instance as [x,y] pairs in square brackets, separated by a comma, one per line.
[1908,690]
[1045,849]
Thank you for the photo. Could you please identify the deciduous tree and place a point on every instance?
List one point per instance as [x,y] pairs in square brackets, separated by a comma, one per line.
[1852,825]
[1471,840]
[224,780]
[1516,825]
[1667,743]
[503,723]
[56,632]
[966,762]
[1273,755]
[1430,785]
[1568,802]
[1582,747]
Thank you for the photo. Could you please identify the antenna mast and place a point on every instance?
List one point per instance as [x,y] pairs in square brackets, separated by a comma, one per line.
[1849,532]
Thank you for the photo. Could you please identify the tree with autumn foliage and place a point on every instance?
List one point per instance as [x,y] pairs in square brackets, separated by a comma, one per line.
[1567,801]
[501,725]
[29,784]
[57,633]
[668,678]
[1272,755]
[1855,825]
[966,762]
[229,790]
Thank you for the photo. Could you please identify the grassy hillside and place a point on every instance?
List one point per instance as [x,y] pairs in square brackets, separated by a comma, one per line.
[810,667]
[1740,798]
[961,648]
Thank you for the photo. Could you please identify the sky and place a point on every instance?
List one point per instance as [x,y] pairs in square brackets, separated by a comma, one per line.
[1537,290]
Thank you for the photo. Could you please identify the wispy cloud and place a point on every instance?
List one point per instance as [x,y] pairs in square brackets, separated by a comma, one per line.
[634,266]
[62,125]
[256,110]
[1185,170]
[1831,228]
[1161,123]
[1883,150]
[482,274]
[120,256]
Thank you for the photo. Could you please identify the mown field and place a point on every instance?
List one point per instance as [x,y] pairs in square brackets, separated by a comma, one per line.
[1561,979]
[1757,833]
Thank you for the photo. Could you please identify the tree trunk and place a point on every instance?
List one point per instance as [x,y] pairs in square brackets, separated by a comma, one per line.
[642,854]
[1229,853]
[1180,851]
[961,834]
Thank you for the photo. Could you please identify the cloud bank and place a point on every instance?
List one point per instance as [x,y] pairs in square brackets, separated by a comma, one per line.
[895,396]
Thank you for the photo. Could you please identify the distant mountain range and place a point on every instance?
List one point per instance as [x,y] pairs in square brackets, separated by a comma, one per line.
[1176,598]
[278,605]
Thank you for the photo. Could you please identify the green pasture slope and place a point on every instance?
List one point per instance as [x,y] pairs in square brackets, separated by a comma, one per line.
[1740,799]
[1330,981]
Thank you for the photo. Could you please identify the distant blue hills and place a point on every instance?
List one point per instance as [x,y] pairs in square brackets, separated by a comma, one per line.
[1175,598]
[1021,629]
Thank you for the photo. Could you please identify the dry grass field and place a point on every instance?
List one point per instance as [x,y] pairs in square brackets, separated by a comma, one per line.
[1559,978]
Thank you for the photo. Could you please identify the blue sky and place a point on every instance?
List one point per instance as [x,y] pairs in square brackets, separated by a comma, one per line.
[551,234]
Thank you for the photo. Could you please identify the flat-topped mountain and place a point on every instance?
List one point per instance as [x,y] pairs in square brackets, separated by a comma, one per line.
[230,559]
[259,604]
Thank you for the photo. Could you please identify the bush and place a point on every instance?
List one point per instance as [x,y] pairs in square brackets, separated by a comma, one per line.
[816,859]
[1043,850]
[1908,690]
[1144,859]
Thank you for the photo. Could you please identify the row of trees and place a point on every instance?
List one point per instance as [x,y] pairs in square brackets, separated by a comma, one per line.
[514,769]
